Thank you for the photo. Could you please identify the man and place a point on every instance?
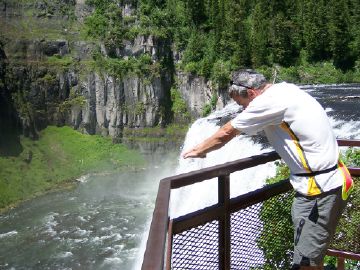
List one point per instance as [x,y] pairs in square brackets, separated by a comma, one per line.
[298,128]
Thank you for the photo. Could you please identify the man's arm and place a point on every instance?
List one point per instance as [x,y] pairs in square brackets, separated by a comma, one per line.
[216,141]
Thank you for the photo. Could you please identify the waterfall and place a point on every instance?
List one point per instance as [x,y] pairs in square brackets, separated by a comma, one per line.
[200,195]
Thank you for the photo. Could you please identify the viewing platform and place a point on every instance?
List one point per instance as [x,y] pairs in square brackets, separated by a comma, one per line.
[250,231]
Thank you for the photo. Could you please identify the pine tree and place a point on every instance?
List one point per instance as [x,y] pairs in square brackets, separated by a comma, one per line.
[355,27]
[235,42]
[340,36]
[282,49]
[259,35]
[196,11]
[315,30]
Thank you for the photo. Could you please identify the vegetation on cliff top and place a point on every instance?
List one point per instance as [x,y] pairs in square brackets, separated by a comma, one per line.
[306,38]
[312,41]
[59,156]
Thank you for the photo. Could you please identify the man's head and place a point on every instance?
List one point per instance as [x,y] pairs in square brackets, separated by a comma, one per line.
[245,86]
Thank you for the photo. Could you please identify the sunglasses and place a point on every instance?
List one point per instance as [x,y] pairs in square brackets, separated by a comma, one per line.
[239,84]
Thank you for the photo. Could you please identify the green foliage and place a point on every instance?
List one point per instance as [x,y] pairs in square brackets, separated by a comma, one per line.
[209,107]
[276,238]
[78,101]
[206,110]
[352,157]
[195,49]
[96,25]
[180,28]
[315,30]
[179,108]
[264,33]
[142,66]
[249,34]
[60,155]
[196,10]
[236,36]
[321,72]
[339,27]
[282,47]
[106,24]
[48,79]
[221,73]
[60,61]
[139,108]
[259,36]
[155,19]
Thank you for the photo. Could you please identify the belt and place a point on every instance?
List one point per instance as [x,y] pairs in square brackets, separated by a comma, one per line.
[322,194]
[317,172]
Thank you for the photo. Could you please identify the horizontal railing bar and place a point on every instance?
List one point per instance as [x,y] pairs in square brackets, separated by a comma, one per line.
[343,142]
[155,247]
[343,254]
[259,195]
[197,218]
[213,212]
[354,171]
[190,178]
[197,176]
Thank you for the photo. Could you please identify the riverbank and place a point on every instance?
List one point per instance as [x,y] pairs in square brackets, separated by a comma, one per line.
[60,156]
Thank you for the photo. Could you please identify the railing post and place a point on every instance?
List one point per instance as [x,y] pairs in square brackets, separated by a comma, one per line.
[169,246]
[224,222]
[340,263]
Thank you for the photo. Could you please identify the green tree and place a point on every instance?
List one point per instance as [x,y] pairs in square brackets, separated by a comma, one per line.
[340,37]
[355,27]
[315,30]
[235,40]
[282,47]
[196,11]
[259,35]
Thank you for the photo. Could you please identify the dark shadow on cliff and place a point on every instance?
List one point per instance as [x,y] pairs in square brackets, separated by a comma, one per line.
[9,136]
[9,126]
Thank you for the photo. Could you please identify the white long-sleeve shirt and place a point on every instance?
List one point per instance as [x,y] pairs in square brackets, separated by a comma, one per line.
[299,130]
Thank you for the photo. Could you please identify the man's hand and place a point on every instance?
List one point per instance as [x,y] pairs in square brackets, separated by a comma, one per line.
[193,153]
[217,140]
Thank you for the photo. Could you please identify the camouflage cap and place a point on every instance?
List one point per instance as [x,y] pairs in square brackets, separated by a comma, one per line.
[247,79]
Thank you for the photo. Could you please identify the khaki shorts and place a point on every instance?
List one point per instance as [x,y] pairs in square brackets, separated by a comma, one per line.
[315,219]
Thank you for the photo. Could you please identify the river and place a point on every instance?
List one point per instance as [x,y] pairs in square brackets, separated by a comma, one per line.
[102,223]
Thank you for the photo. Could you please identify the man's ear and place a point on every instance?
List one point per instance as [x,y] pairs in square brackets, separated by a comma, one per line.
[251,93]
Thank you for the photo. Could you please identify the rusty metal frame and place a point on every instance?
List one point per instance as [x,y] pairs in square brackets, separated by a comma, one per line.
[161,229]
[341,256]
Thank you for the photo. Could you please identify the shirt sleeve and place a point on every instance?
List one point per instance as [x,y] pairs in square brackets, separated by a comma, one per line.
[261,112]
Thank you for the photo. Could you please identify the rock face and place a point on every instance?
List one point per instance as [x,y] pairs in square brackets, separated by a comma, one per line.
[50,84]
[198,92]
[112,104]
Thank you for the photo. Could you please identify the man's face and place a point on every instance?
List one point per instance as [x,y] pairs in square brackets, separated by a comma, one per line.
[241,100]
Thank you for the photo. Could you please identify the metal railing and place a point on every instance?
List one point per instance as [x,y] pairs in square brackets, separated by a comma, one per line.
[218,236]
